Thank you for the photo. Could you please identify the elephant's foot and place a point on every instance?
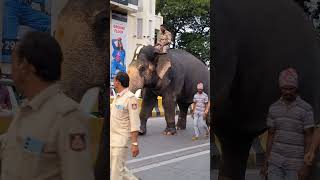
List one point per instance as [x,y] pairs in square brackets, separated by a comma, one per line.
[224,178]
[181,128]
[181,124]
[143,130]
[170,131]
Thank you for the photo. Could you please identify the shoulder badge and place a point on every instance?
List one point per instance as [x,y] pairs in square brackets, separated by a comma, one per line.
[134,106]
[33,145]
[77,141]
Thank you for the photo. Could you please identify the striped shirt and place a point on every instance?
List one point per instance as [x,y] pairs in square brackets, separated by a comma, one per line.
[200,101]
[289,122]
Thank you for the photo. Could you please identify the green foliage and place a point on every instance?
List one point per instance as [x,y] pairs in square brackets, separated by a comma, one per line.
[311,9]
[189,23]
[197,44]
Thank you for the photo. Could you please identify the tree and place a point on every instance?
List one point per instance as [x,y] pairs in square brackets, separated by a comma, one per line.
[189,23]
[311,9]
[197,44]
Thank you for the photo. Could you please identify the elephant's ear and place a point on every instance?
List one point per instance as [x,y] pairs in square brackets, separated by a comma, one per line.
[163,65]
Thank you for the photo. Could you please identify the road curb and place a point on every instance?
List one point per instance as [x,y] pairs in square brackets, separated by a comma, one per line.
[158,110]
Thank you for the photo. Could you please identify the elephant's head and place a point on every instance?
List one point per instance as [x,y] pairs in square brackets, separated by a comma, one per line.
[149,69]
[83,32]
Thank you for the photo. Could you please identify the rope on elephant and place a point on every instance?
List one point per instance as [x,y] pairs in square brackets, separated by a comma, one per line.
[137,51]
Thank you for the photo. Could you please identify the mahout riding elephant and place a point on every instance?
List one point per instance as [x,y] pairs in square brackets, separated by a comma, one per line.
[174,76]
[253,42]
[83,29]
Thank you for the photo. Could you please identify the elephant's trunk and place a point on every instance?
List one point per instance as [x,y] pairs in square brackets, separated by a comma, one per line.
[136,81]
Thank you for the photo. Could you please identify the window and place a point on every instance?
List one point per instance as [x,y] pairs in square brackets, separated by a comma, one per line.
[140,5]
[151,4]
[150,28]
[134,2]
[156,36]
[139,28]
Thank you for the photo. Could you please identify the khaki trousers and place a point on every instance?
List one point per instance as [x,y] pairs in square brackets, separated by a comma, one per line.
[118,157]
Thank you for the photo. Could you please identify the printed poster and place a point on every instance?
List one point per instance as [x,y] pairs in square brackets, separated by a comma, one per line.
[118,44]
[19,17]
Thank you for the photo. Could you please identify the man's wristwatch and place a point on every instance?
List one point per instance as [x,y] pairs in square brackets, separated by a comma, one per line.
[135,143]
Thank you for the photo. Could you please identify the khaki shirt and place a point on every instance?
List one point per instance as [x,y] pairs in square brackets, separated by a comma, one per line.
[124,118]
[165,38]
[48,139]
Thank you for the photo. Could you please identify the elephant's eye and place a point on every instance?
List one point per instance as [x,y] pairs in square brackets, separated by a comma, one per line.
[142,68]
[102,19]
[101,28]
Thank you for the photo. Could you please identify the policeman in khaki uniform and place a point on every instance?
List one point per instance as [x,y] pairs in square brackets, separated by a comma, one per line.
[124,123]
[48,138]
[164,40]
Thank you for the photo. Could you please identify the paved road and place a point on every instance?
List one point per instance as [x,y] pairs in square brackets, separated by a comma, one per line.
[251,174]
[171,157]
[175,157]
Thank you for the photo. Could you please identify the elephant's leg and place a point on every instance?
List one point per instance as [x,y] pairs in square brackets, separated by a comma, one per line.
[182,120]
[315,168]
[208,119]
[235,152]
[148,103]
[102,157]
[169,106]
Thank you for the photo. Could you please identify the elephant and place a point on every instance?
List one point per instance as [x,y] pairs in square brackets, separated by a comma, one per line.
[174,76]
[83,29]
[252,45]
[86,22]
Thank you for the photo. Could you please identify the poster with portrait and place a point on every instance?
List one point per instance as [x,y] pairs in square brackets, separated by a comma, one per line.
[118,43]
[19,17]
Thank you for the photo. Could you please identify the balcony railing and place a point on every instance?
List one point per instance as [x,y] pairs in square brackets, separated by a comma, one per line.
[124,2]
[134,2]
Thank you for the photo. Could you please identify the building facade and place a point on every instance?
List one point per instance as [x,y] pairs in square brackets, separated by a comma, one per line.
[136,23]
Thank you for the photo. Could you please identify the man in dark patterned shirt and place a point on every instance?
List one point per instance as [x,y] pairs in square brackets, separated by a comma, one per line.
[290,121]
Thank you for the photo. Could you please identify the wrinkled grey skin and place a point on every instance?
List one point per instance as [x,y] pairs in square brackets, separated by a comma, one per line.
[83,33]
[174,76]
[252,45]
